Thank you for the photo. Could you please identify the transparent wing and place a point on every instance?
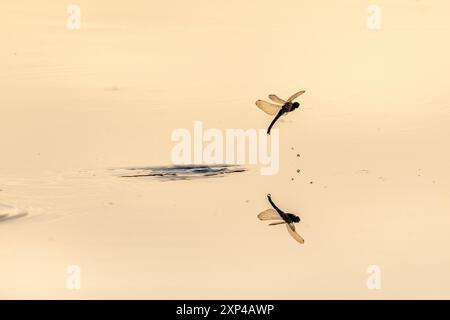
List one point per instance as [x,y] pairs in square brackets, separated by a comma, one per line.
[268,107]
[291,229]
[276,223]
[269,214]
[295,95]
[275,98]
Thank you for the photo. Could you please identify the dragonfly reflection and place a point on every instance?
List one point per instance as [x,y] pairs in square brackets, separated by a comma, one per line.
[286,218]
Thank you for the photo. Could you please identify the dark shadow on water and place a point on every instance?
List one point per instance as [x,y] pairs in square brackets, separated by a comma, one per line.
[9,217]
[179,172]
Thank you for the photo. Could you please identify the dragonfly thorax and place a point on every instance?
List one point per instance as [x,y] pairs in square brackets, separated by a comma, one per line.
[291,106]
[293,217]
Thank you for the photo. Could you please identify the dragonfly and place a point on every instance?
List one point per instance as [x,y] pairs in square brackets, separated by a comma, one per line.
[280,107]
[286,218]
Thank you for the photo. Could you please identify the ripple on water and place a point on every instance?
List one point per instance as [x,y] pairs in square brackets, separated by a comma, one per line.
[9,213]
[179,172]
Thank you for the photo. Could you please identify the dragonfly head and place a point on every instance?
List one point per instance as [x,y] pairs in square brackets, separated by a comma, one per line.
[294,218]
[295,105]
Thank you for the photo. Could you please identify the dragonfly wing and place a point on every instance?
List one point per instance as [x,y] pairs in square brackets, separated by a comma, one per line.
[295,95]
[277,99]
[268,107]
[269,214]
[291,229]
[276,223]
